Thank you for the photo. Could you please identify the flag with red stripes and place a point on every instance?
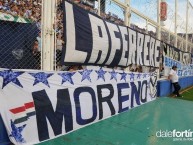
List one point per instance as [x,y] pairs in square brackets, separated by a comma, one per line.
[22,113]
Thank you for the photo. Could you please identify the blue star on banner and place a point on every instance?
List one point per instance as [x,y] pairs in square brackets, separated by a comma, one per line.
[85,74]
[10,76]
[101,74]
[16,132]
[67,77]
[113,75]
[41,77]
[132,76]
[138,76]
[123,76]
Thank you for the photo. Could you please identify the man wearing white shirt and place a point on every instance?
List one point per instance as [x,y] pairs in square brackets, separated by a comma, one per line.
[173,76]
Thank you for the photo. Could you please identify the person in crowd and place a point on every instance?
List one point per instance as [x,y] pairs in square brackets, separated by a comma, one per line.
[59,45]
[39,41]
[36,54]
[173,76]
[75,67]
[35,48]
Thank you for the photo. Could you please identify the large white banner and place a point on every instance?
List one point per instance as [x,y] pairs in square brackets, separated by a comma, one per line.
[182,69]
[36,106]
[176,54]
[99,42]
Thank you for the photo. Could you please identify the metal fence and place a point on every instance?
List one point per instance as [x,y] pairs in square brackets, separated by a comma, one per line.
[47,16]
[176,30]
[20,34]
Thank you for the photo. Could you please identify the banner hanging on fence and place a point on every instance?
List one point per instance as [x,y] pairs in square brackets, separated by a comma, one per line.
[90,40]
[176,54]
[182,69]
[36,106]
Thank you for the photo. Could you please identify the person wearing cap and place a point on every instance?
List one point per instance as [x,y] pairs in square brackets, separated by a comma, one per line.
[173,76]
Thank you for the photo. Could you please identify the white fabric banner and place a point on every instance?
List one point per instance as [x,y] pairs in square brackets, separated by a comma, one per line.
[36,106]
[99,42]
[182,69]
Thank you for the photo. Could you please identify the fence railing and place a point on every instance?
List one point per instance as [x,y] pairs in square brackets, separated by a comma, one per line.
[46,55]
[20,34]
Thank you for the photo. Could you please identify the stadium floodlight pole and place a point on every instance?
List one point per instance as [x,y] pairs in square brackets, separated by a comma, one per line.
[158,30]
[48,34]
[99,7]
[55,36]
[158,20]
[187,10]
[41,60]
[191,49]
[176,27]
[127,13]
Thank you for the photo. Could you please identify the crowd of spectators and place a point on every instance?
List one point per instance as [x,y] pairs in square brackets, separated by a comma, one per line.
[30,9]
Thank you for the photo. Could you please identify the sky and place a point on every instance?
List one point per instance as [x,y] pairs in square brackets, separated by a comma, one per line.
[149,8]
